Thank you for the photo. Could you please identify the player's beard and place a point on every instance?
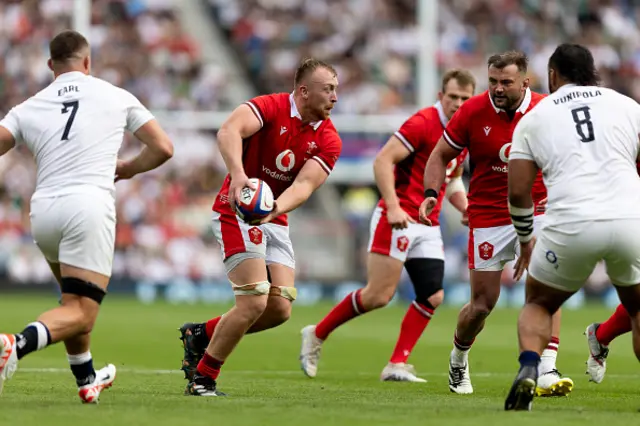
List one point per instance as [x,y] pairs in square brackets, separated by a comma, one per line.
[506,102]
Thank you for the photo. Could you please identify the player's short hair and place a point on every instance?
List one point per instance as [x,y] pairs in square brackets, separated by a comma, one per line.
[308,66]
[463,77]
[510,57]
[575,64]
[67,45]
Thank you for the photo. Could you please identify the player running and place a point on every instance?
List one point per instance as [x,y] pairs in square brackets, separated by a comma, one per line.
[74,128]
[584,138]
[397,239]
[288,141]
[484,125]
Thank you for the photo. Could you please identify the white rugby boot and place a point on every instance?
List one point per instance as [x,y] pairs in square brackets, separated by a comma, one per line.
[597,361]
[90,393]
[551,383]
[459,378]
[8,358]
[310,351]
[400,372]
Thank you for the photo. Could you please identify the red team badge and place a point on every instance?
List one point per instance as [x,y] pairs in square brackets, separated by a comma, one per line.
[402,243]
[255,235]
[486,250]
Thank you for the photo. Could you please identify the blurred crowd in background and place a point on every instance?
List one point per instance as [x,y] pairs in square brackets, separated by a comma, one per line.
[145,47]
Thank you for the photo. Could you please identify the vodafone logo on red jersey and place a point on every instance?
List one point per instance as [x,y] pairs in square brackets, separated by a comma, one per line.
[504,157]
[285,160]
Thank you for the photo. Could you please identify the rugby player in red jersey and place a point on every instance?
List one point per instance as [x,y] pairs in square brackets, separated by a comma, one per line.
[484,126]
[288,141]
[397,239]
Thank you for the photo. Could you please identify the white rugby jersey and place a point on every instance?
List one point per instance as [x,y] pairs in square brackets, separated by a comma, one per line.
[74,128]
[585,141]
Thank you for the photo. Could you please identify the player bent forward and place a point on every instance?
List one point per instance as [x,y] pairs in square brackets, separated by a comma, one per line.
[74,128]
[288,141]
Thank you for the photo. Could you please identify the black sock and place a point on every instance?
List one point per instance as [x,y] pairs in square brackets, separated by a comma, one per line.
[82,368]
[34,337]
[529,359]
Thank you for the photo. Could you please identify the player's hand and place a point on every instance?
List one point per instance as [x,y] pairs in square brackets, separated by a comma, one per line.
[124,170]
[426,208]
[542,205]
[268,218]
[238,183]
[398,218]
[465,218]
[522,264]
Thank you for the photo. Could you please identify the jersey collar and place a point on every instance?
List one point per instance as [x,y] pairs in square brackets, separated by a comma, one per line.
[70,76]
[443,117]
[295,113]
[523,106]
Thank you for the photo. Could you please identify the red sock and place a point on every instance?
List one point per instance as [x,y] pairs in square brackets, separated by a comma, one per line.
[350,307]
[554,343]
[211,326]
[413,324]
[463,345]
[617,324]
[209,366]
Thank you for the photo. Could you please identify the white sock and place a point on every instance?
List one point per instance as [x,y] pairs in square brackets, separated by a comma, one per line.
[547,361]
[459,357]
[79,359]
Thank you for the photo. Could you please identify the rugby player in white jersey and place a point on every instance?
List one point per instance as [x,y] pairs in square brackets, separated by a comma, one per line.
[74,128]
[585,140]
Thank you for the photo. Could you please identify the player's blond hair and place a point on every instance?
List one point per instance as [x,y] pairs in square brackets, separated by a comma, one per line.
[307,67]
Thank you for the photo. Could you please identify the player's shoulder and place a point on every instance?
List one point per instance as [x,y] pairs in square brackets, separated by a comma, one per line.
[536,98]
[278,98]
[328,132]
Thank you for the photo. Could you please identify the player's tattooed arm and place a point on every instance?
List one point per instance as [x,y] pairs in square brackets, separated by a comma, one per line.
[7,141]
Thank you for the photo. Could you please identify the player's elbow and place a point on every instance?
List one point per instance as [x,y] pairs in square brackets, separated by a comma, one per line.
[165,148]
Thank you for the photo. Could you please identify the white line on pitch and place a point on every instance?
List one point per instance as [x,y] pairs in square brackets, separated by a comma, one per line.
[283,372]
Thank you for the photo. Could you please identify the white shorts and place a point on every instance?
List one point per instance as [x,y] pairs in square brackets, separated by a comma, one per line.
[76,229]
[490,249]
[565,255]
[416,241]
[269,241]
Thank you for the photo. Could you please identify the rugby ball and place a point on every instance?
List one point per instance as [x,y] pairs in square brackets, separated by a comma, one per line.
[255,204]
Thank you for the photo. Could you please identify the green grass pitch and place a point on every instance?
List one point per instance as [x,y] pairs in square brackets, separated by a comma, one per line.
[266,386]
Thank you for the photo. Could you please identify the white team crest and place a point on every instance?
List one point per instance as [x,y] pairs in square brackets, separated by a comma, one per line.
[487,129]
[283,130]
[311,147]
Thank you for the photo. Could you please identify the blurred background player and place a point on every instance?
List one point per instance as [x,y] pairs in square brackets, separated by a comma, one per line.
[74,128]
[484,125]
[289,141]
[396,237]
[584,138]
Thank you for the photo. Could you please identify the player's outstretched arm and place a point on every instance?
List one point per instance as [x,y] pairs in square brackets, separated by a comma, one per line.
[393,152]
[522,174]
[7,141]
[158,149]
[311,177]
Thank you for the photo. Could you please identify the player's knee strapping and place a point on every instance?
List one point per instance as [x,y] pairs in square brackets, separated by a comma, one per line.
[82,288]
[426,276]
[254,289]
[288,293]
